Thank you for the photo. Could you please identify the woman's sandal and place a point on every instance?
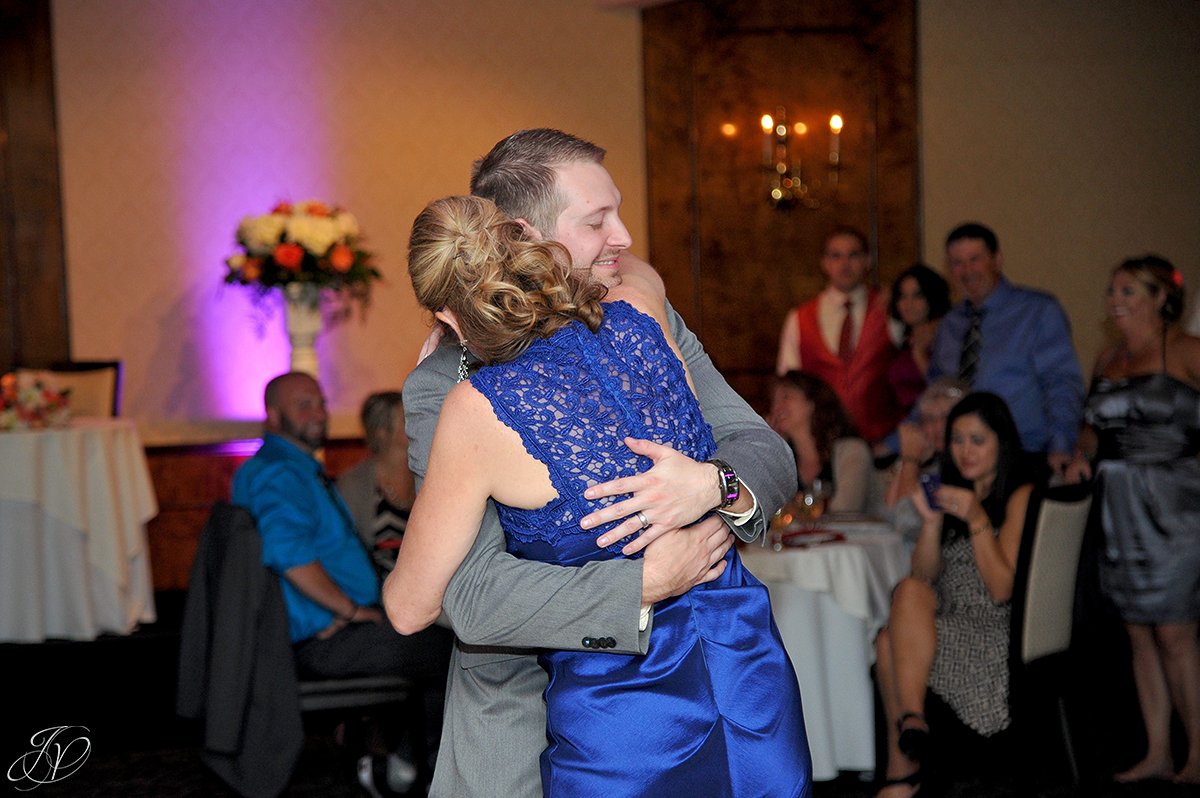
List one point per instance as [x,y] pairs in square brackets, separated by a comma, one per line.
[914,739]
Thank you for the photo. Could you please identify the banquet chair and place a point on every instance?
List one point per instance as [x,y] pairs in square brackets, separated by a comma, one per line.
[1043,609]
[237,672]
[95,385]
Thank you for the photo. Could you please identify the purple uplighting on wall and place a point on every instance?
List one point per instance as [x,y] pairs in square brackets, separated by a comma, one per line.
[249,132]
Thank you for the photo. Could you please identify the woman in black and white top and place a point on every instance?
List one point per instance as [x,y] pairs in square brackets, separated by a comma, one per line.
[380,489]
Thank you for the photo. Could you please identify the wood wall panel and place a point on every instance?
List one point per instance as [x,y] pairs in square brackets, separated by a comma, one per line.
[734,265]
[187,481]
[33,304]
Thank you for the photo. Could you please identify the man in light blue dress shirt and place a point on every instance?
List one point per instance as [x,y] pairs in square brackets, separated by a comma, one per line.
[1025,353]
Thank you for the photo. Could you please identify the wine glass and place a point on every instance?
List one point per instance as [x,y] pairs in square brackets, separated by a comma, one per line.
[780,522]
[810,502]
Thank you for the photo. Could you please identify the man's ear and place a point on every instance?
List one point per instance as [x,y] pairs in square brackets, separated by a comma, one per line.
[531,231]
[447,317]
[272,418]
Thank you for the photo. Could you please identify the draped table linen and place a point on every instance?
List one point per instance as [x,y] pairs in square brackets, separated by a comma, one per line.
[829,600]
[74,557]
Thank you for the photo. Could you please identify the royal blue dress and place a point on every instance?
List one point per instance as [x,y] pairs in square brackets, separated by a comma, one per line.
[713,708]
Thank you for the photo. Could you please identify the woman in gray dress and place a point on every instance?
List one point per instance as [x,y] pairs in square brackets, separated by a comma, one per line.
[1143,434]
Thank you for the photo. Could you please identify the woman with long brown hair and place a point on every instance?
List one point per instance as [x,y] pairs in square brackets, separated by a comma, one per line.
[807,413]
[948,630]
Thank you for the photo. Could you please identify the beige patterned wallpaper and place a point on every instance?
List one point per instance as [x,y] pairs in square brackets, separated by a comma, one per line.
[178,117]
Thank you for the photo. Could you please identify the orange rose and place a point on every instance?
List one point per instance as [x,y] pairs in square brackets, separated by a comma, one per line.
[252,269]
[341,258]
[284,208]
[289,256]
[314,208]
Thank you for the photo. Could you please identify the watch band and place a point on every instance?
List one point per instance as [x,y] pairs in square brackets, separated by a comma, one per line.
[731,486]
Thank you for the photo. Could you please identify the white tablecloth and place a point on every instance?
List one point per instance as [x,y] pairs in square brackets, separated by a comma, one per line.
[828,601]
[74,560]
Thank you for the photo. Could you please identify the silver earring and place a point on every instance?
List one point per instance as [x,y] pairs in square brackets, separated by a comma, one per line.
[462,361]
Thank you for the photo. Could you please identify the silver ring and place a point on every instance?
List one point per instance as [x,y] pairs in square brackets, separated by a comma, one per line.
[642,517]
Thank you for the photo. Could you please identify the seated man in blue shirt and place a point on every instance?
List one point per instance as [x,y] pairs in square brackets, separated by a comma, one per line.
[1014,342]
[308,538]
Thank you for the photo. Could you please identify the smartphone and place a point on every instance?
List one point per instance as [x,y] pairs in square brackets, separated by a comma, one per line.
[930,484]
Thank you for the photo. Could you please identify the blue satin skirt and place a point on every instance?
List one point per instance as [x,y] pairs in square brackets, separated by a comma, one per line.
[712,709]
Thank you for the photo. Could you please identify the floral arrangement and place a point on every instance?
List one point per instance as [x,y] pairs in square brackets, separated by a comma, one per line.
[306,242]
[29,402]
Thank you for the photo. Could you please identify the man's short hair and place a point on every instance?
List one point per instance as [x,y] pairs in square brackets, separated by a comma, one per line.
[518,174]
[975,230]
[848,231]
[275,386]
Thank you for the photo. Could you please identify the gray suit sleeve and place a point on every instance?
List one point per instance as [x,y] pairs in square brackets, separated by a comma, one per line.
[496,600]
[761,458]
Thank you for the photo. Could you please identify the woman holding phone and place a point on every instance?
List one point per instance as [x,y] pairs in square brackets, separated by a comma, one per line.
[954,607]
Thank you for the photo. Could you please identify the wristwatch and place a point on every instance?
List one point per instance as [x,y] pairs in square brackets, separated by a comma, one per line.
[731,486]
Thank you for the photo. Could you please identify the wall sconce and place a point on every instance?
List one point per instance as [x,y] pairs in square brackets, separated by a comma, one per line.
[783,148]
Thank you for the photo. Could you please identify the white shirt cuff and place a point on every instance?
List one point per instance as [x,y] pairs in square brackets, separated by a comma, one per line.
[740,519]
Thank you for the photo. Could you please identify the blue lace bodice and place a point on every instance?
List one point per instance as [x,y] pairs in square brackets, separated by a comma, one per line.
[573,398]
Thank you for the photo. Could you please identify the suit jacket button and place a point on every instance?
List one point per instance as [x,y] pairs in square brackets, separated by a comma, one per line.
[588,642]
[609,642]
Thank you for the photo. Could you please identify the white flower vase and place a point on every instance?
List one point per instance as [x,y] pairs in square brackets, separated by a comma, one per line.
[302,312]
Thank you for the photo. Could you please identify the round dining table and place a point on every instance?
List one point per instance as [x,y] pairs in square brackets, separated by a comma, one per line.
[74,557]
[830,585]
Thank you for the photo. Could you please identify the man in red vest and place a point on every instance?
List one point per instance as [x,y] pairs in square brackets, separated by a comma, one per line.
[842,335]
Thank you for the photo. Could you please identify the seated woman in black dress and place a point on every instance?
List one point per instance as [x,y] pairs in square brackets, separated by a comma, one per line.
[954,607]
[1143,431]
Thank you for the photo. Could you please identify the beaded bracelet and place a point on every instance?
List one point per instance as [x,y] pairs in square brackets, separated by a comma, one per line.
[977,529]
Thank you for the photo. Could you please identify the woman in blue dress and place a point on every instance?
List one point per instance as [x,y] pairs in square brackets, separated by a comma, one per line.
[713,707]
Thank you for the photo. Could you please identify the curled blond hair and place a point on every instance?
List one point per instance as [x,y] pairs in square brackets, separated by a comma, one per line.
[466,256]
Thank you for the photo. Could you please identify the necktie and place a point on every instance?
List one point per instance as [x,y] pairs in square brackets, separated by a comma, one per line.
[846,339]
[968,360]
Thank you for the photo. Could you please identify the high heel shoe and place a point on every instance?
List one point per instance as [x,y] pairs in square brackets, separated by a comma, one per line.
[914,739]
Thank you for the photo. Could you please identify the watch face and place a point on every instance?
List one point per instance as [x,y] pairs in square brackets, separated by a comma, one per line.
[730,485]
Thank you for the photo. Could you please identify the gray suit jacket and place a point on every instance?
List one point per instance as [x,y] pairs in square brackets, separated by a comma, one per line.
[503,609]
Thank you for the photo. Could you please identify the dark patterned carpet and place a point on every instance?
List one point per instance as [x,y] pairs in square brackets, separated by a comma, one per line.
[122,690]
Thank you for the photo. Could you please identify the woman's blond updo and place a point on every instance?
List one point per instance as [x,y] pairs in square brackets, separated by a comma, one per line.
[1161,279]
[466,256]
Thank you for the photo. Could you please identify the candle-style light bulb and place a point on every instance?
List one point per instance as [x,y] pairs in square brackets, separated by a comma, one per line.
[835,147]
[801,131]
[768,128]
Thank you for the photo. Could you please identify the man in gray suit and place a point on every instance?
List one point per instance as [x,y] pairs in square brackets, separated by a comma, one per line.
[502,608]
